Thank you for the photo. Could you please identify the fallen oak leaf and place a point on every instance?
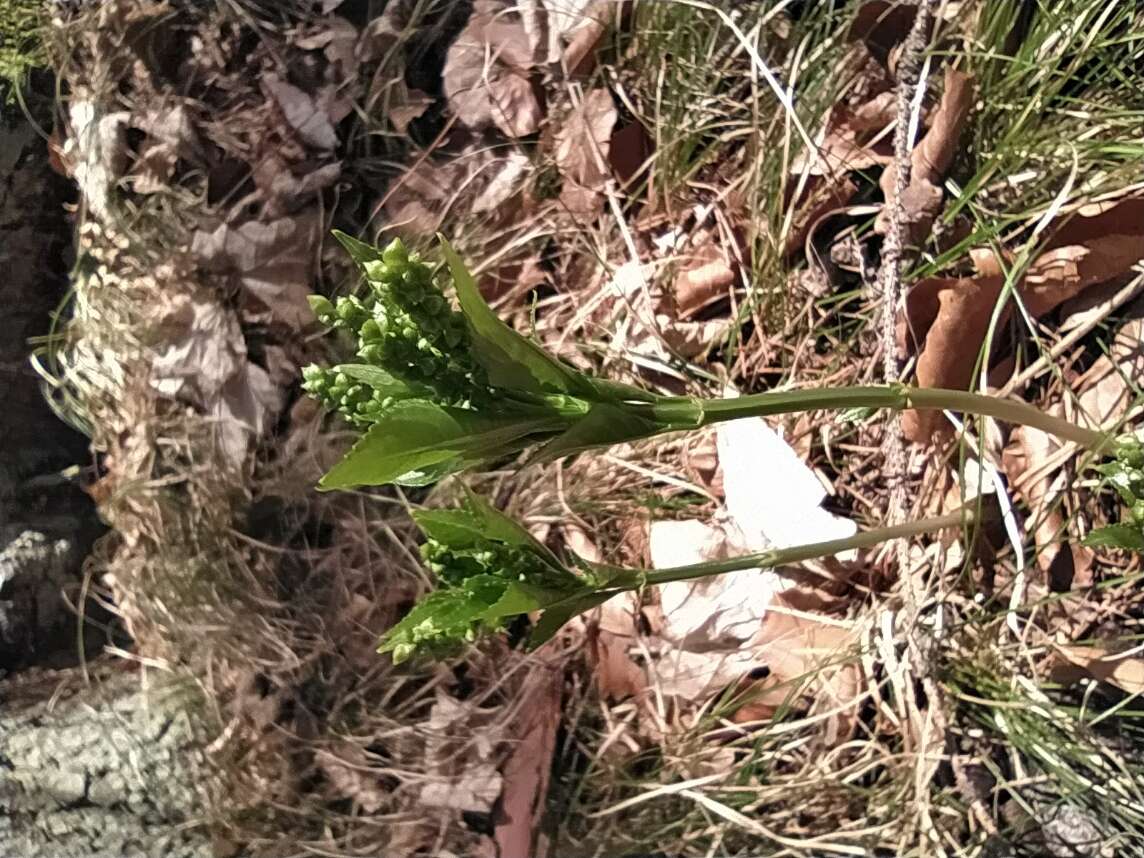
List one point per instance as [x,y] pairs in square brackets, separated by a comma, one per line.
[951,315]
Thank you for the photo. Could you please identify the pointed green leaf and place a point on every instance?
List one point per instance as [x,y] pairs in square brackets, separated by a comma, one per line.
[417,436]
[496,525]
[1116,536]
[604,425]
[450,616]
[559,613]
[382,381]
[359,251]
[512,361]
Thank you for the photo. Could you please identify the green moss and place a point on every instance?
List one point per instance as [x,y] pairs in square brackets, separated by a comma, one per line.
[21,42]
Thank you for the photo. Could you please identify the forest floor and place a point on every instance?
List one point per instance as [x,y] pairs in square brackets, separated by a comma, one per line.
[691,197]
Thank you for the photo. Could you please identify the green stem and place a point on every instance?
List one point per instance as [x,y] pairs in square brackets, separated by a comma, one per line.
[633,579]
[683,411]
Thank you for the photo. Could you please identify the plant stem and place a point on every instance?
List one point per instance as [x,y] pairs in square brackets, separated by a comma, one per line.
[681,411]
[631,579]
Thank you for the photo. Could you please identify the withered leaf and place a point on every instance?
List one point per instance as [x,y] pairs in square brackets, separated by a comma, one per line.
[582,146]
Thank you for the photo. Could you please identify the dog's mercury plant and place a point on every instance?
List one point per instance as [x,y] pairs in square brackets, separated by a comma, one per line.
[490,570]
[438,388]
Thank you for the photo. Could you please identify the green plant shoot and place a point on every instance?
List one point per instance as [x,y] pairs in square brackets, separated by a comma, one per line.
[490,570]
[442,385]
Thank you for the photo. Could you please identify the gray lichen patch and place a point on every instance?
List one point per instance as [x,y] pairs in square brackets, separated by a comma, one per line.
[109,771]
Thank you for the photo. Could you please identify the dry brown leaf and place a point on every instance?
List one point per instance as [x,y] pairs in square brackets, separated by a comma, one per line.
[950,316]
[820,197]
[527,768]
[806,664]
[1100,664]
[959,310]
[882,24]
[1063,272]
[302,113]
[460,756]
[204,362]
[474,181]
[486,74]
[853,139]
[1106,390]
[272,260]
[704,277]
[1028,462]
[932,156]
[171,136]
[581,151]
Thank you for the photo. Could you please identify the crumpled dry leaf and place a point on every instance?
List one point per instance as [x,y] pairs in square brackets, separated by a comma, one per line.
[657,332]
[272,260]
[302,113]
[1030,463]
[703,277]
[171,136]
[806,659]
[950,316]
[853,138]
[204,362]
[581,152]
[475,181]
[1101,664]
[460,757]
[347,768]
[486,74]
[712,626]
[1107,389]
[922,199]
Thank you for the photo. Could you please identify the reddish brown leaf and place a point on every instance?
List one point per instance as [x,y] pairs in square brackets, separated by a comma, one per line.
[526,771]
[922,199]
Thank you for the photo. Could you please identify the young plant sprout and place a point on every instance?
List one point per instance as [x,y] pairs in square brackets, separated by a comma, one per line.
[439,388]
[491,570]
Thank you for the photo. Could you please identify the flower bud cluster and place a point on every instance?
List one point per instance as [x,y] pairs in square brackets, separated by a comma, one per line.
[405,325]
[452,567]
[1126,474]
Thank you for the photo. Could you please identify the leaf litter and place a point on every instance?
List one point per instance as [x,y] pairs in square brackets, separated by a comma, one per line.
[666,305]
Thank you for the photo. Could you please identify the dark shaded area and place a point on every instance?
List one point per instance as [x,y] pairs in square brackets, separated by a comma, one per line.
[47,522]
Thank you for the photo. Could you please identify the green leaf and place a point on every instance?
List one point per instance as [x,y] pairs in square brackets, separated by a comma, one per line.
[359,251]
[512,361]
[1116,536]
[417,437]
[604,425]
[496,525]
[559,613]
[456,528]
[452,616]
[383,382]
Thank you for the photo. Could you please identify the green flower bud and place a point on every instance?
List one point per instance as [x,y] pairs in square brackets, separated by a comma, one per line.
[395,254]
[1130,451]
[374,270]
[323,308]
[371,353]
[370,331]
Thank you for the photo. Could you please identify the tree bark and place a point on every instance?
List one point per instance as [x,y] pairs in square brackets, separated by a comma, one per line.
[98,771]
